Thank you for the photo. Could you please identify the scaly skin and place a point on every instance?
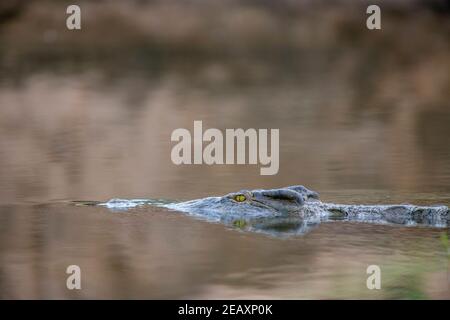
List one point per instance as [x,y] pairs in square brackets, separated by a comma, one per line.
[302,203]
[291,210]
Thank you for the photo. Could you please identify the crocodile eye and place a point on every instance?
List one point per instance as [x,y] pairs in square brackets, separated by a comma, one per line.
[240,198]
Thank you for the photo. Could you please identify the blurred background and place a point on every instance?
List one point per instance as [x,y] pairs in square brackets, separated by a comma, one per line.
[87,115]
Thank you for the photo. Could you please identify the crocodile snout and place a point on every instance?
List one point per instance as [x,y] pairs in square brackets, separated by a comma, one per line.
[283,200]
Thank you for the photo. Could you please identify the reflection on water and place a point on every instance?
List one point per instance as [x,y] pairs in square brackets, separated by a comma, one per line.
[362,119]
[153,253]
[75,137]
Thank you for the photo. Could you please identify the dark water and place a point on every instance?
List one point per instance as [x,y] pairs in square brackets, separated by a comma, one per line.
[363,118]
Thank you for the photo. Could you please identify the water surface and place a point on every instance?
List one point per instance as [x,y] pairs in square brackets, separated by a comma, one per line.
[150,252]
[363,119]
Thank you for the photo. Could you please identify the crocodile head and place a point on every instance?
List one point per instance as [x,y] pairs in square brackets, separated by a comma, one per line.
[252,203]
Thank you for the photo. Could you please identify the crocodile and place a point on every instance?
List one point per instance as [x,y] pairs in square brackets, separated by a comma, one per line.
[293,209]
